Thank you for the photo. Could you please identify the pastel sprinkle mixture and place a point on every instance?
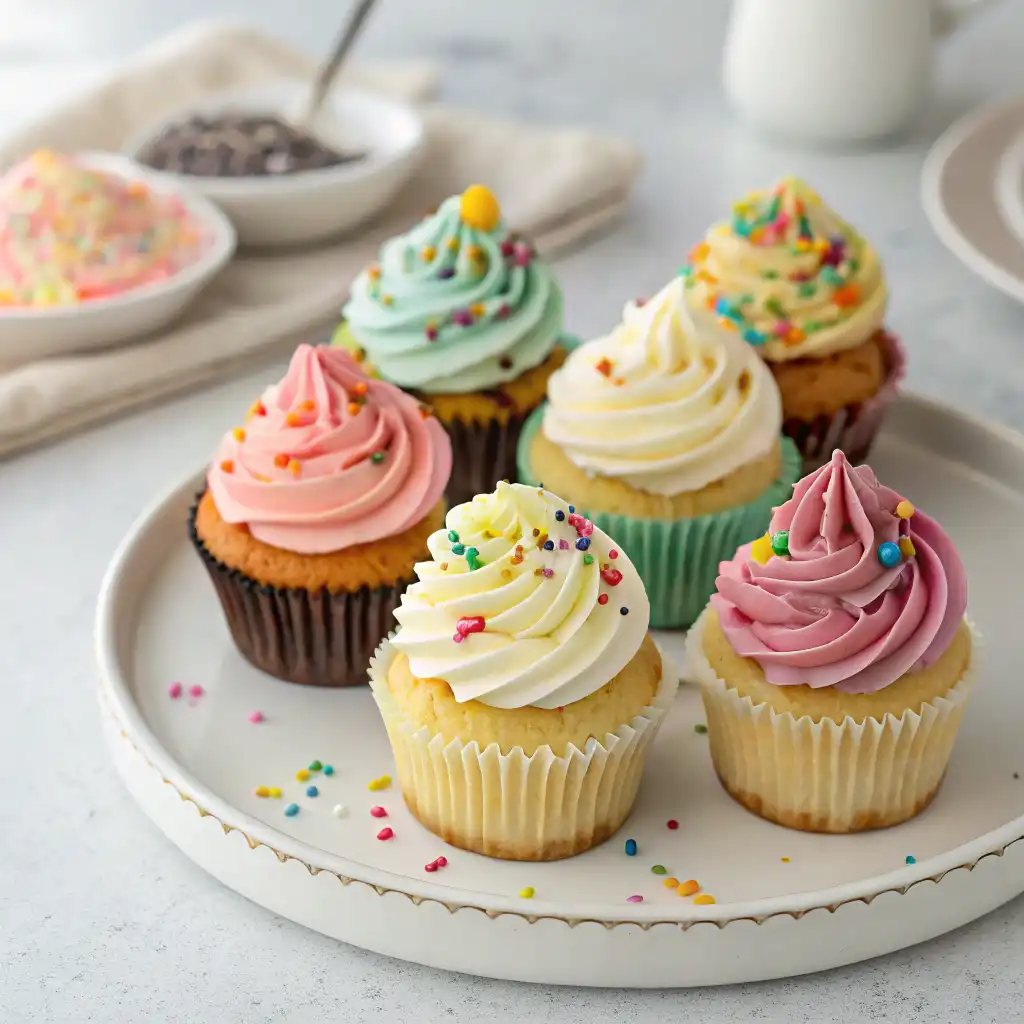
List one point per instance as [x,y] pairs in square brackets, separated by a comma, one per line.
[688,888]
[174,690]
[262,791]
[785,860]
[255,717]
[634,899]
[275,793]
[386,833]
[315,766]
[911,860]
[312,791]
[339,810]
[704,899]
[630,847]
[291,810]
[434,865]
[381,782]
[700,729]
[328,769]
[195,690]
[659,869]
[378,812]
[672,824]
[301,775]
[671,883]
[527,893]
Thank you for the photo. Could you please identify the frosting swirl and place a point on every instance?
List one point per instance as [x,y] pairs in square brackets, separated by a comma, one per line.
[869,589]
[457,304]
[524,603]
[788,276]
[660,407]
[329,458]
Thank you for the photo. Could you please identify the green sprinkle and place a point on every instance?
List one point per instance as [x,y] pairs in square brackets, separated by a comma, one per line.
[911,860]
[770,275]
[691,282]
[780,543]
[315,766]
[453,536]
[685,270]
[831,276]
[473,559]
[811,327]
[854,264]
[775,308]
[458,549]
[588,559]
[377,457]
[328,769]
[659,869]
[700,729]
[807,289]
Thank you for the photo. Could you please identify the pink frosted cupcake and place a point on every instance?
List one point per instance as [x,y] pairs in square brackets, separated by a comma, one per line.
[315,511]
[835,658]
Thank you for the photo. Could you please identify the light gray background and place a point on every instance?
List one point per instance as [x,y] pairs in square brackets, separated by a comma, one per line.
[100,918]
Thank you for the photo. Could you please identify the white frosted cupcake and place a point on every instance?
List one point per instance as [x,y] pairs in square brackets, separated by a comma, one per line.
[522,691]
[671,442]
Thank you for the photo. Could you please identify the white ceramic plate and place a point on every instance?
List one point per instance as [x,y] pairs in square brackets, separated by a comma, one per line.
[41,332]
[193,766]
[971,198]
[309,206]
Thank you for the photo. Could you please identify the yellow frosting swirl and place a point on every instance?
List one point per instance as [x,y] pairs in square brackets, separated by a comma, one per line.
[523,603]
[660,406]
[787,275]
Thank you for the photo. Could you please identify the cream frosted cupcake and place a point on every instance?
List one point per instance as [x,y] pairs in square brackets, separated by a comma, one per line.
[461,312]
[670,441]
[522,691]
[835,659]
[802,287]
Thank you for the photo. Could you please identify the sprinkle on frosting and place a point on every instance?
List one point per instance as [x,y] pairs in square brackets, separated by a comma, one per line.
[863,597]
[471,305]
[69,234]
[682,410]
[306,476]
[531,626]
[788,276]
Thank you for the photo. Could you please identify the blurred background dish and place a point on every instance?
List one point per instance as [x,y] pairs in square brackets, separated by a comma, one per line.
[303,205]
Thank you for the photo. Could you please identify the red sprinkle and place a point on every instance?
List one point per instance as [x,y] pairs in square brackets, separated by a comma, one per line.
[378,812]
[468,624]
[386,833]
[174,690]
[602,598]
[673,824]
[430,867]
[613,553]
[255,717]
[441,862]
[195,691]
[611,576]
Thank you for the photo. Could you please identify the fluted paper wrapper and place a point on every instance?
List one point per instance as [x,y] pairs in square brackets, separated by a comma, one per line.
[314,637]
[853,428]
[828,776]
[678,559]
[513,806]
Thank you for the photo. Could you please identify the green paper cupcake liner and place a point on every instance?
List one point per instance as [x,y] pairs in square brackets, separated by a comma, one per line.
[678,558]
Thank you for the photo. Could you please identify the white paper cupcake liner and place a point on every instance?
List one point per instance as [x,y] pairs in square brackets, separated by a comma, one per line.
[828,776]
[513,806]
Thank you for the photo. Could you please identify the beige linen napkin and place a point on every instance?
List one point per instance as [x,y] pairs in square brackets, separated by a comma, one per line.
[555,185]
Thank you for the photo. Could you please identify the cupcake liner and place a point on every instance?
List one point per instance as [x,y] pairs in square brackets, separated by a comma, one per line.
[678,559]
[854,427]
[316,637]
[828,776]
[513,806]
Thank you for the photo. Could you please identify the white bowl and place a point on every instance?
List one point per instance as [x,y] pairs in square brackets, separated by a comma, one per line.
[31,333]
[309,206]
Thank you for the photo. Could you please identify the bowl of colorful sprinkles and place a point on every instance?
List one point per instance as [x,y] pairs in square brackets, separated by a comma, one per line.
[96,251]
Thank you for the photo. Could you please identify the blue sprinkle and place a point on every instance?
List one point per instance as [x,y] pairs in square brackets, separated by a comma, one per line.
[572,508]
[630,847]
[752,336]
[583,543]
[312,791]
[328,769]
[291,810]
[911,860]
[549,545]
[559,515]
[889,554]
[723,306]
[623,610]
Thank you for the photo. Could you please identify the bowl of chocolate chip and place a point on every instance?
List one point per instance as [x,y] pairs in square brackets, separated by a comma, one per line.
[279,180]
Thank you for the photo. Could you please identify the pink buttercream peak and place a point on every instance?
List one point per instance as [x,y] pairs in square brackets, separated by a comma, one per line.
[831,612]
[330,458]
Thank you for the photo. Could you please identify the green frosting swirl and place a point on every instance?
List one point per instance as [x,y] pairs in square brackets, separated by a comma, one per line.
[453,308]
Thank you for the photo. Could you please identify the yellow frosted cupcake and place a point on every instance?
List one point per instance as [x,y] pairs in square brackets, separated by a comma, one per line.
[522,691]
[835,659]
[800,285]
[671,442]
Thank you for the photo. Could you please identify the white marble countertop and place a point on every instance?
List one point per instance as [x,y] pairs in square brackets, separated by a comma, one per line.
[100,918]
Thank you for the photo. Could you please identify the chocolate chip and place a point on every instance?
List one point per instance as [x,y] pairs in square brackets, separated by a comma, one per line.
[505,363]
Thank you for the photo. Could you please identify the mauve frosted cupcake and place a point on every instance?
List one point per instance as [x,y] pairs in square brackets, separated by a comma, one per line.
[835,658]
[314,514]
[800,285]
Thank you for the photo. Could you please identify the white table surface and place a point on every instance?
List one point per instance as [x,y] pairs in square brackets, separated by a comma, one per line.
[100,918]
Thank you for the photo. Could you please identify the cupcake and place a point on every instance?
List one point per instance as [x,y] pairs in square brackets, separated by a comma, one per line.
[805,290]
[835,659]
[461,313]
[522,691]
[670,441]
[314,514]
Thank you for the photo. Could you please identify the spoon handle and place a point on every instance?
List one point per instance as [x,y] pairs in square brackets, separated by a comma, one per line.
[328,72]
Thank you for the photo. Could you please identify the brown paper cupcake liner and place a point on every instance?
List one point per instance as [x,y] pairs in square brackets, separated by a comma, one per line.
[318,638]
[482,454]
[854,427]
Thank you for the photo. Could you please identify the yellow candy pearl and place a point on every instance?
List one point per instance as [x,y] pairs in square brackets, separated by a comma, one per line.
[904,509]
[479,209]
[761,549]
[907,548]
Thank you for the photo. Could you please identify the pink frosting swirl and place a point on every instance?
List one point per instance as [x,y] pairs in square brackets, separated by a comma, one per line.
[831,614]
[330,458]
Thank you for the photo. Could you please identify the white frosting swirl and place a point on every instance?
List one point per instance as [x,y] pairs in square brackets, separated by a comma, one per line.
[533,628]
[660,406]
[788,275]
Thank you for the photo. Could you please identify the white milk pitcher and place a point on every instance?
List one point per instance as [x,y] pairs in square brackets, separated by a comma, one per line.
[835,71]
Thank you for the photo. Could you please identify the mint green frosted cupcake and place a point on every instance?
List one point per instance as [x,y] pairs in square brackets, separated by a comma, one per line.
[670,443]
[461,312]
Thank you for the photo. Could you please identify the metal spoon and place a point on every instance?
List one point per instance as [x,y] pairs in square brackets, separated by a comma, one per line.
[329,69]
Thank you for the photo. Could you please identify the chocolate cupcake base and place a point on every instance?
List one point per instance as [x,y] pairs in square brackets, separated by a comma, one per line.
[317,638]
[482,454]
